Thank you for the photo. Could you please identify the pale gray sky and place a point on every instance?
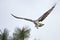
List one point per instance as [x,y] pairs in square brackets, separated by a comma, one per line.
[32,9]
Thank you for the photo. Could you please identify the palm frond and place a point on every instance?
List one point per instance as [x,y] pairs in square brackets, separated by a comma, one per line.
[21,34]
[4,35]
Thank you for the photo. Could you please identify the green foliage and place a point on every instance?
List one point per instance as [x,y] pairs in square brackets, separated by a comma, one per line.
[4,35]
[21,34]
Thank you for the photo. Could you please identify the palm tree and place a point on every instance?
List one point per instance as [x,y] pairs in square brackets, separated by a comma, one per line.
[4,35]
[21,34]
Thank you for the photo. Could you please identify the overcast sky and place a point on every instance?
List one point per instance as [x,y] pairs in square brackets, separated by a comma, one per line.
[31,9]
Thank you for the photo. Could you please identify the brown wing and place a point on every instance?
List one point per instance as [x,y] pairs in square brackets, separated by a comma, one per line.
[22,18]
[46,14]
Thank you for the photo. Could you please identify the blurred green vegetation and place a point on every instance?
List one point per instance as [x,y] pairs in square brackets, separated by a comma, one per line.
[19,34]
[4,34]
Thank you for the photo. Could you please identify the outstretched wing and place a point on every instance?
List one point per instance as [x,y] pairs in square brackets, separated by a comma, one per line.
[22,18]
[46,14]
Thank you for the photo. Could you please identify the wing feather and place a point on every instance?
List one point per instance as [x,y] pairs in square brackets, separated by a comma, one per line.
[22,18]
[46,14]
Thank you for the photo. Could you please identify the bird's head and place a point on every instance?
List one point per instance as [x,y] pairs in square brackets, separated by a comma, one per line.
[40,25]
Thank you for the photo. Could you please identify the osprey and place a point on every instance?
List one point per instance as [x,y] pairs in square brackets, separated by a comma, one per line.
[40,19]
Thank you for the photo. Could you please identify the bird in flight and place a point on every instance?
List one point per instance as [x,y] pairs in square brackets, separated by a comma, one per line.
[40,19]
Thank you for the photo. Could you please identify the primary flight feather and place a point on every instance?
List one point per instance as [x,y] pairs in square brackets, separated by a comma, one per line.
[40,19]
